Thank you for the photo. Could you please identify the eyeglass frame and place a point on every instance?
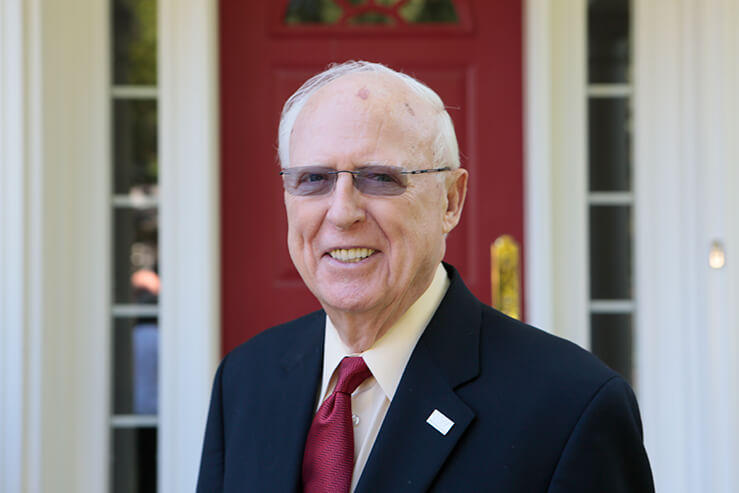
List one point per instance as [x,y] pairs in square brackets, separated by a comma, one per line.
[358,172]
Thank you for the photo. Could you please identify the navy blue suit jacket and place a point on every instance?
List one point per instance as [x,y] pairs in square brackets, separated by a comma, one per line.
[532,412]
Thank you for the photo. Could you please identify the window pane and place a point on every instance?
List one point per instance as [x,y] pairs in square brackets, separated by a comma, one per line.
[609,144]
[134,42]
[135,147]
[612,341]
[135,460]
[313,12]
[610,252]
[429,11]
[136,365]
[608,41]
[371,18]
[135,255]
[381,12]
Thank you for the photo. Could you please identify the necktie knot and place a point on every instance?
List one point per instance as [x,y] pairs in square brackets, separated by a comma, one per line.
[352,372]
[328,458]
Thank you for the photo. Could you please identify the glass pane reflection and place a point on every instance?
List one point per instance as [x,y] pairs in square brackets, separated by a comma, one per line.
[608,41]
[611,339]
[610,252]
[609,144]
[136,256]
[135,146]
[370,12]
[134,42]
[135,365]
[134,460]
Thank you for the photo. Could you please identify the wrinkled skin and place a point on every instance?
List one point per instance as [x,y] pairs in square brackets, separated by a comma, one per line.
[356,120]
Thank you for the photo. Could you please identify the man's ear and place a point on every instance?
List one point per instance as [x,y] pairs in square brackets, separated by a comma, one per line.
[456,191]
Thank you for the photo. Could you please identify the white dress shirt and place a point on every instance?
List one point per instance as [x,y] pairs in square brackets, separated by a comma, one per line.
[386,359]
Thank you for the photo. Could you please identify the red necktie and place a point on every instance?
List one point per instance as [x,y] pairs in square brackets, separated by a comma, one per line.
[328,460]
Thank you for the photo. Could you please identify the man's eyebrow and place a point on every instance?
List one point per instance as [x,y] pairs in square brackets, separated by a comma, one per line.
[379,163]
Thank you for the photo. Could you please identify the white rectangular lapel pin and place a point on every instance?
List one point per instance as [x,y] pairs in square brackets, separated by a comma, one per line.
[440,422]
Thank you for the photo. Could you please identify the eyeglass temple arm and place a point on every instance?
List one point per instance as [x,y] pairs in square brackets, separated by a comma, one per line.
[419,171]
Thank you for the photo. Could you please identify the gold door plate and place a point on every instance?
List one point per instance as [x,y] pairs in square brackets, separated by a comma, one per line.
[505,273]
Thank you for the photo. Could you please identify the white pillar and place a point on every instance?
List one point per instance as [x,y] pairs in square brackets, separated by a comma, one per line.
[686,190]
[12,255]
[189,236]
[556,168]
[54,158]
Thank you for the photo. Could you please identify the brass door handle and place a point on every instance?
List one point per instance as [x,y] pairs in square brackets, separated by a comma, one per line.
[505,275]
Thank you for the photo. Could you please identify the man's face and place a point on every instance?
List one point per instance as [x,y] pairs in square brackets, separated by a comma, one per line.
[356,252]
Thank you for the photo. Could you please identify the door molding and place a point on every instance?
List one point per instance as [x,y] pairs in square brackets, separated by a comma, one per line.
[190,328]
[555,168]
[54,241]
[12,247]
[687,195]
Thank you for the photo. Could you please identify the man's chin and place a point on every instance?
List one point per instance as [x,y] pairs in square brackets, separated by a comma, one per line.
[349,302]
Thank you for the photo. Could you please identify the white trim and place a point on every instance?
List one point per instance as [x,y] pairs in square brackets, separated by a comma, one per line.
[189,246]
[538,167]
[609,90]
[686,184]
[555,171]
[135,201]
[58,220]
[610,198]
[134,92]
[12,253]
[133,310]
[611,306]
[134,421]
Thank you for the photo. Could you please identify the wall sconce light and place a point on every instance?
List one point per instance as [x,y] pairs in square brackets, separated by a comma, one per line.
[717,256]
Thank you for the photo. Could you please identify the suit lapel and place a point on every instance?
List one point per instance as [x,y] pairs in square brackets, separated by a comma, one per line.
[296,386]
[409,452]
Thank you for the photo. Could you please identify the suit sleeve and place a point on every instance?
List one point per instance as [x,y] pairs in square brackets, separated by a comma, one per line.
[210,478]
[605,452]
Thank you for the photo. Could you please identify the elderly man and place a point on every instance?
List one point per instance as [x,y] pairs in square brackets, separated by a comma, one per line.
[404,381]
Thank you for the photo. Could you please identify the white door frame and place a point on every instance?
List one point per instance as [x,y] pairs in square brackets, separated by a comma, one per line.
[190,233]
[55,242]
[54,327]
[556,168]
[687,195]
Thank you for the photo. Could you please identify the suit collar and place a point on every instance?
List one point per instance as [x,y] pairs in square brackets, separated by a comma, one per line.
[453,334]
[295,389]
[409,452]
[307,341]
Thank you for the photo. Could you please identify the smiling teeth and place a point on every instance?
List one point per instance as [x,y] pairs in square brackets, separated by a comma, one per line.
[351,254]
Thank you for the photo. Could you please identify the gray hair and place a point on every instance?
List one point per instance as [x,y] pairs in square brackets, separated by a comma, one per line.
[445,149]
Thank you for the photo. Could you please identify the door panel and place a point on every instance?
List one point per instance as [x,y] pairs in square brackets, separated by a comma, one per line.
[474,66]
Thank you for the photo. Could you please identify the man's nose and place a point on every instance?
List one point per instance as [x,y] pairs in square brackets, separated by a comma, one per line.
[346,203]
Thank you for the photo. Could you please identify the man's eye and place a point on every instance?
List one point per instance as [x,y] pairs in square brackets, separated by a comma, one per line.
[383,177]
[312,177]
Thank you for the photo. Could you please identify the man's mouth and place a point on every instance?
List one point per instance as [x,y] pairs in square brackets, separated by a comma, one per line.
[351,254]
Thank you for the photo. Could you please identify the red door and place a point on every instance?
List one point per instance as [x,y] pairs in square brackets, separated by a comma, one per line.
[471,55]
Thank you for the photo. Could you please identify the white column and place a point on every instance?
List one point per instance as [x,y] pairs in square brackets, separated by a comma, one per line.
[686,187]
[12,256]
[556,168]
[189,237]
[53,231]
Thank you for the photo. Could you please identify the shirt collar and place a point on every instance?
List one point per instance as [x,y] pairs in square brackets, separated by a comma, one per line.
[388,356]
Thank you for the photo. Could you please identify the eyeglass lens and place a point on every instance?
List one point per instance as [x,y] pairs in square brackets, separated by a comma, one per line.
[371,180]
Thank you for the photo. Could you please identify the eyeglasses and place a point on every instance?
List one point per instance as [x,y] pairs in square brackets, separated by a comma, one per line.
[370,180]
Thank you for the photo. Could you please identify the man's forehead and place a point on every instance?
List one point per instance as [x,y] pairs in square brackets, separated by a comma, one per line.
[370,90]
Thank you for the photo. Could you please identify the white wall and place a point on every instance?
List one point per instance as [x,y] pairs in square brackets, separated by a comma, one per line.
[687,195]
[55,357]
[555,168]
[53,234]
[190,233]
